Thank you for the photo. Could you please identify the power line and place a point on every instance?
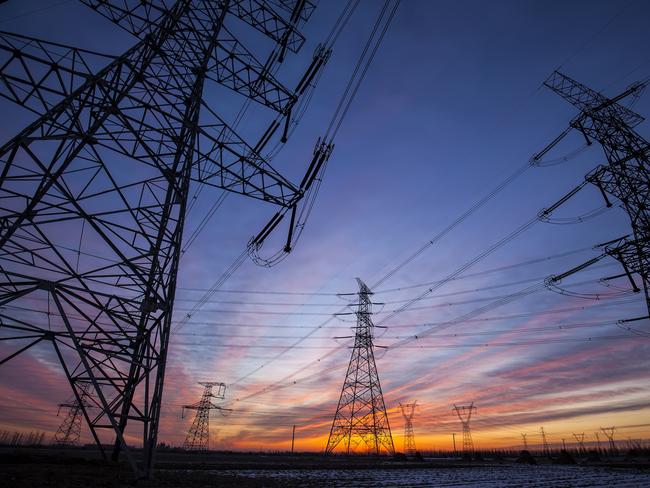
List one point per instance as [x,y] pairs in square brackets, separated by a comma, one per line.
[389,290]
[389,302]
[286,381]
[34,11]
[313,190]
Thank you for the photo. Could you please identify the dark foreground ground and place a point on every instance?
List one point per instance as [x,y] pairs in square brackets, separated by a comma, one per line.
[27,468]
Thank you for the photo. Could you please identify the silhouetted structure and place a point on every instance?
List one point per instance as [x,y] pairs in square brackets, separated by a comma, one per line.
[523,437]
[545,449]
[464,413]
[598,441]
[609,433]
[408,410]
[580,439]
[69,430]
[625,177]
[198,436]
[361,413]
[95,189]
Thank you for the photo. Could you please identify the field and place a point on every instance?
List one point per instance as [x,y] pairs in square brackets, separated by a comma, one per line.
[28,468]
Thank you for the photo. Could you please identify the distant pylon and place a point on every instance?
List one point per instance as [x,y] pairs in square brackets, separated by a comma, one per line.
[69,431]
[609,433]
[523,436]
[361,413]
[546,449]
[198,437]
[464,413]
[408,410]
[580,438]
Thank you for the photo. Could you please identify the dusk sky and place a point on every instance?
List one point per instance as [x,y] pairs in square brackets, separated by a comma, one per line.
[452,105]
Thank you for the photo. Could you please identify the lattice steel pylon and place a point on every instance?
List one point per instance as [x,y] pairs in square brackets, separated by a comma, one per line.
[464,413]
[198,436]
[69,431]
[580,439]
[361,413]
[94,191]
[626,176]
[609,433]
[408,410]
[545,448]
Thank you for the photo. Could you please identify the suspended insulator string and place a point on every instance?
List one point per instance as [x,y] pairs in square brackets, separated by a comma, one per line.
[299,111]
[239,261]
[578,219]
[329,43]
[393,302]
[341,111]
[563,290]
[544,163]
[389,290]
[633,330]
[408,304]
[492,270]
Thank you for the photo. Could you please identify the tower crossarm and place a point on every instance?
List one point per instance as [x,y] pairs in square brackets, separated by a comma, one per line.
[139,17]
[592,103]
[259,15]
[135,16]
[231,64]
[302,9]
[625,177]
[38,74]
[361,415]
[94,195]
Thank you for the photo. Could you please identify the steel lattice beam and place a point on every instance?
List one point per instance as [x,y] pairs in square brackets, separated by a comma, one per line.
[93,193]
[361,416]
[626,176]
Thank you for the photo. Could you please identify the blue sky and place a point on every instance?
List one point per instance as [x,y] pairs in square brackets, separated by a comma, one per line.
[452,104]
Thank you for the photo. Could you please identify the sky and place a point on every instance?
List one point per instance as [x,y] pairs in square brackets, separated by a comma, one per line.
[452,105]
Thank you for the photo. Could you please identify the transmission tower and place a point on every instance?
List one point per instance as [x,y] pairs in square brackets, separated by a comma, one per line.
[464,413]
[361,413]
[69,430]
[546,449]
[408,410]
[626,176]
[609,433]
[198,437]
[94,191]
[523,437]
[580,439]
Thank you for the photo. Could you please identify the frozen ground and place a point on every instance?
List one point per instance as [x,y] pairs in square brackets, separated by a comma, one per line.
[82,468]
[488,477]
